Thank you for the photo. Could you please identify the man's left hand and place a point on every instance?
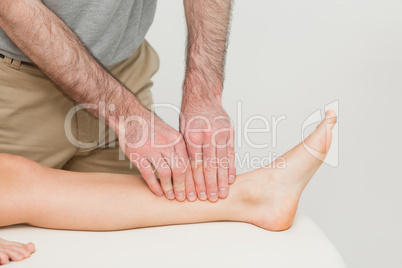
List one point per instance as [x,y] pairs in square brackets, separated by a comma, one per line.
[209,137]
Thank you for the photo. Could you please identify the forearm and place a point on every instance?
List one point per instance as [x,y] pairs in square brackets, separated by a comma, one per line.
[57,51]
[207,26]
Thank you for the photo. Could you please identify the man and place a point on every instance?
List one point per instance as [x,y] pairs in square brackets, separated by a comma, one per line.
[70,42]
[49,45]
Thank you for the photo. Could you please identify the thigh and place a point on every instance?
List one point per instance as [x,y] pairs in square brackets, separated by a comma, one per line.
[32,116]
[106,160]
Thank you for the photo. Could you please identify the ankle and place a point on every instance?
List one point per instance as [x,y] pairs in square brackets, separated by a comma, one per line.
[247,196]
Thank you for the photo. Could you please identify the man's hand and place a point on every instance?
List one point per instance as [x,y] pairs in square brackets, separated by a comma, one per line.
[59,53]
[205,124]
[150,143]
[209,137]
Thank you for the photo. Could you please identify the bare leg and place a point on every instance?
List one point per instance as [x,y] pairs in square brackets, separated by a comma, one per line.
[267,197]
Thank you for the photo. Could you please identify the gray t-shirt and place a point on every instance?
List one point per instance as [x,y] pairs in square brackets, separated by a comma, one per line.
[111,29]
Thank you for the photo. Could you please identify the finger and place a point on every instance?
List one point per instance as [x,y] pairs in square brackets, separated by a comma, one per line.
[188,175]
[190,186]
[223,167]
[195,154]
[177,175]
[232,159]
[148,174]
[185,171]
[165,176]
[210,170]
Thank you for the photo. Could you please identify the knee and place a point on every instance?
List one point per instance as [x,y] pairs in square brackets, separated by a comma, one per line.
[6,161]
[9,160]
[15,167]
[16,185]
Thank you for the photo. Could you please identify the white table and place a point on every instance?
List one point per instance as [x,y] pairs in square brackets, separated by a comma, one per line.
[219,244]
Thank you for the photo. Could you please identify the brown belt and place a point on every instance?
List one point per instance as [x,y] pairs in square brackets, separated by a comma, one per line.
[22,62]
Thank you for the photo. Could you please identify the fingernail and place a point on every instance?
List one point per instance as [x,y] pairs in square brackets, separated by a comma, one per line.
[231,178]
[203,196]
[212,195]
[180,196]
[191,196]
[159,192]
[222,190]
[170,194]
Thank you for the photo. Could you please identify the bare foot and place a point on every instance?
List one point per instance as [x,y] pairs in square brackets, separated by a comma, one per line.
[14,251]
[275,190]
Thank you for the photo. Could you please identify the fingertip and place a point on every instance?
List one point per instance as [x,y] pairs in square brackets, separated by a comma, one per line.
[170,195]
[202,196]
[159,192]
[213,200]
[223,193]
[180,197]
[191,197]
[232,179]
[213,197]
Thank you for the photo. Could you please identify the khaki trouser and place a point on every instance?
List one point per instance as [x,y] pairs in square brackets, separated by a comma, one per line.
[33,114]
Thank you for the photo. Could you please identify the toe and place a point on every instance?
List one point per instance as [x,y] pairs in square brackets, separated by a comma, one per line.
[15,255]
[4,259]
[330,119]
[30,247]
[317,144]
[24,252]
[27,250]
[20,252]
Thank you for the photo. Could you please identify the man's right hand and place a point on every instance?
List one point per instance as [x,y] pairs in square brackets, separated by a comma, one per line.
[149,142]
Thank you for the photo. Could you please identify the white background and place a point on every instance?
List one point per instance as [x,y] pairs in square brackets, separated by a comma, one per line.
[292,58]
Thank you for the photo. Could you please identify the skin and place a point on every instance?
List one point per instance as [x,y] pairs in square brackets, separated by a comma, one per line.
[58,52]
[13,251]
[206,126]
[267,197]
